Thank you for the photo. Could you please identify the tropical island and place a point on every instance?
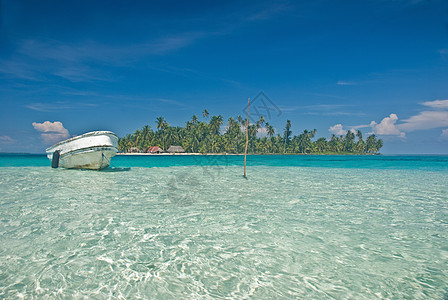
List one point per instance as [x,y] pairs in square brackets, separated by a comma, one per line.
[206,137]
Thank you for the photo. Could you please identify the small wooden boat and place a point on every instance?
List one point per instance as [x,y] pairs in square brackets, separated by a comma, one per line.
[92,150]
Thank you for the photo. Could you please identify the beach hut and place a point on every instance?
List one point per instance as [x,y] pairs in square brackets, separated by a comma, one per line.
[176,149]
[155,149]
[134,150]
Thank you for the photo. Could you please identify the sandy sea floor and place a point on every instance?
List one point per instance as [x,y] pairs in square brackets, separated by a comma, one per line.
[204,232]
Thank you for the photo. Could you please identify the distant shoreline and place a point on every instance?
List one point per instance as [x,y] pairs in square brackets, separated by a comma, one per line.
[167,154]
[240,154]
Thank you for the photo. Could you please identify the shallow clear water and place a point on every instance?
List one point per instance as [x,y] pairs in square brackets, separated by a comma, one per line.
[317,227]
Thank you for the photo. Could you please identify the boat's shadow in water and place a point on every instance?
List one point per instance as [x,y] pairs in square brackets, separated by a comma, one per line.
[115,170]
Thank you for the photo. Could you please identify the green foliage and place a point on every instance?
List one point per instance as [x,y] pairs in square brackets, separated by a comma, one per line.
[206,137]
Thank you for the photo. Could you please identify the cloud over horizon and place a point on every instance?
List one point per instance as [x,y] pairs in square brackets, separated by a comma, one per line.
[5,139]
[444,135]
[437,104]
[51,132]
[428,119]
[387,127]
[337,130]
[435,117]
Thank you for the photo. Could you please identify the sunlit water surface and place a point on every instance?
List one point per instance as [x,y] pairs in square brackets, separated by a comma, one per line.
[298,227]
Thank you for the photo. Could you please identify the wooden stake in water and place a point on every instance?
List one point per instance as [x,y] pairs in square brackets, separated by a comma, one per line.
[247,137]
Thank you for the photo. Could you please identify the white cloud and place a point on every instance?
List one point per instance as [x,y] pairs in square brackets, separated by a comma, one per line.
[428,119]
[4,139]
[48,126]
[52,138]
[268,12]
[437,104]
[47,107]
[387,126]
[436,116]
[444,135]
[73,61]
[359,126]
[337,130]
[262,132]
[425,120]
[341,82]
[60,105]
[51,132]
[171,102]
[18,69]
[93,51]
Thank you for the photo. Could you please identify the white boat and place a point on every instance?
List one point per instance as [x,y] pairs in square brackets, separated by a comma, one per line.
[92,150]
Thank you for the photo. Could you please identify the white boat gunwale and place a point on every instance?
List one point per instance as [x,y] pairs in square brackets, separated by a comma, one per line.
[93,133]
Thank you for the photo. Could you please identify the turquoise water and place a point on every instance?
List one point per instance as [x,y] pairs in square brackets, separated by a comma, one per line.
[164,227]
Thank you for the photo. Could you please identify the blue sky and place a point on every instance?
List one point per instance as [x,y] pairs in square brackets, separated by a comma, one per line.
[381,66]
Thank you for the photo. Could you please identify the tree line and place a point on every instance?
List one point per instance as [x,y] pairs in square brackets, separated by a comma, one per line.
[206,137]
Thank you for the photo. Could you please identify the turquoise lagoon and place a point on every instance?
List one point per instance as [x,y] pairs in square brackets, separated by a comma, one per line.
[165,227]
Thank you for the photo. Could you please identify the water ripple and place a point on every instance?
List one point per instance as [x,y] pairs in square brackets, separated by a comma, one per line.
[179,232]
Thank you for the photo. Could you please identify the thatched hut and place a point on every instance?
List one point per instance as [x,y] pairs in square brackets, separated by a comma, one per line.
[176,149]
[134,150]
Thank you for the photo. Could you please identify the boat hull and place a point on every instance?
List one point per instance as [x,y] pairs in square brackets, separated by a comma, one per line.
[92,150]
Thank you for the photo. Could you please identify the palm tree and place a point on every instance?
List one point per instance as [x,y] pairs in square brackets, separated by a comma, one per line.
[146,132]
[372,144]
[321,144]
[301,142]
[205,113]
[172,136]
[214,126]
[378,145]
[349,141]
[160,122]
[234,134]
[162,125]
[270,130]
[138,137]
[198,136]
[360,145]
[359,134]
[252,133]
[260,122]
[240,120]
[287,134]
[335,143]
